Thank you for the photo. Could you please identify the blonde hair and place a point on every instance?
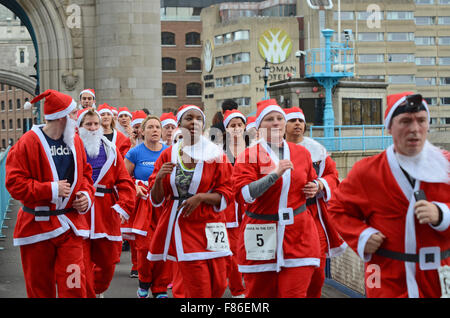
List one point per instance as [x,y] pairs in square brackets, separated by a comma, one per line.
[146,120]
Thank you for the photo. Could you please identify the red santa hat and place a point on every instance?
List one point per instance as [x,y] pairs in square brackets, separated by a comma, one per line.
[264,107]
[138,117]
[294,113]
[395,101]
[82,112]
[183,109]
[105,108]
[89,91]
[124,111]
[57,105]
[251,122]
[168,119]
[114,110]
[230,114]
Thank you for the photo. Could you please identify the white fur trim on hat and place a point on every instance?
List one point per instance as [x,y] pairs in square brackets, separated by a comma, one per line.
[105,110]
[251,125]
[168,122]
[267,110]
[295,115]
[124,112]
[87,91]
[395,106]
[62,113]
[231,116]
[137,121]
[181,113]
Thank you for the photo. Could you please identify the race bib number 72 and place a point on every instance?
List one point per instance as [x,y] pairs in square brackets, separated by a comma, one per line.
[216,234]
[260,241]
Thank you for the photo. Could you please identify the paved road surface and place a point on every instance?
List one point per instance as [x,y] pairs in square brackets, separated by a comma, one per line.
[12,284]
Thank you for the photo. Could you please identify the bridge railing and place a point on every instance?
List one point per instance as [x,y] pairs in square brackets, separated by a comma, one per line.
[353,137]
[4,195]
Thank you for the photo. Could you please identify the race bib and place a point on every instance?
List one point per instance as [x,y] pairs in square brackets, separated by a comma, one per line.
[260,241]
[444,277]
[216,234]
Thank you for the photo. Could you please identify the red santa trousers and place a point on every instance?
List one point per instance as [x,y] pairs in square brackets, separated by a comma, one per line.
[53,264]
[290,282]
[204,278]
[154,274]
[177,282]
[234,276]
[318,278]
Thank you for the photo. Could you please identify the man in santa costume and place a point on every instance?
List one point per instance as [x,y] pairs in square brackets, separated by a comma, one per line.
[47,171]
[87,98]
[114,203]
[393,208]
[168,124]
[331,244]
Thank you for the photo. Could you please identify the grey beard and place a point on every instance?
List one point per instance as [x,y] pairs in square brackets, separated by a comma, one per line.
[91,140]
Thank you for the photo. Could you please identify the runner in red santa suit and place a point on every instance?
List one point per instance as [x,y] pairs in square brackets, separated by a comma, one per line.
[191,181]
[234,123]
[279,244]
[114,203]
[168,124]
[331,244]
[47,171]
[121,141]
[393,208]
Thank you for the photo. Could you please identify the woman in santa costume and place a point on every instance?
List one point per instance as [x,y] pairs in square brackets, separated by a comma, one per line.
[124,118]
[121,141]
[278,247]
[136,137]
[234,123]
[191,181]
[140,162]
[47,171]
[331,244]
[87,98]
[114,202]
[393,208]
[169,124]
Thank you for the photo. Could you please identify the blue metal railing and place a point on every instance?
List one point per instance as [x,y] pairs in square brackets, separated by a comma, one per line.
[350,141]
[4,195]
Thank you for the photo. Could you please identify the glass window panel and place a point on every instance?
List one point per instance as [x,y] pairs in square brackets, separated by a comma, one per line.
[194,89]
[444,40]
[167,38]
[356,112]
[169,64]
[444,60]
[169,89]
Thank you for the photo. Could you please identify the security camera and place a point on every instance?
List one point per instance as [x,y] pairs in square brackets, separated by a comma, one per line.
[348,34]
[300,53]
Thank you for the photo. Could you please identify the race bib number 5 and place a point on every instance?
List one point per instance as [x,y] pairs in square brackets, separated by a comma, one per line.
[216,235]
[260,241]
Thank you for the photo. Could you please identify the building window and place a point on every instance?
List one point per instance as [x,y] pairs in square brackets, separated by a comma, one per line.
[3,143]
[427,60]
[218,61]
[18,125]
[345,15]
[3,105]
[10,104]
[445,100]
[401,79]
[3,125]
[194,89]
[167,38]
[400,36]
[444,60]
[444,20]
[193,64]
[227,59]
[444,1]
[401,58]
[425,20]
[364,15]
[18,103]
[425,81]
[241,35]
[400,15]
[444,40]
[371,58]
[241,57]
[424,1]
[432,101]
[169,89]
[11,125]
[371,36]
[219,82]
[445,81]
[361,111]
[193,38]
[169,64]
[424,40]
[218,39]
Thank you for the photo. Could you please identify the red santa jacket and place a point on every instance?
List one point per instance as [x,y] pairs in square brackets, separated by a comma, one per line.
[269,245]
[122,142]
[201,235]
[376,197]
[31,178]
[115,194]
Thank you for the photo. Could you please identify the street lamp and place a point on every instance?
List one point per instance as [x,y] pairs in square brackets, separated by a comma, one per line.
[266,70]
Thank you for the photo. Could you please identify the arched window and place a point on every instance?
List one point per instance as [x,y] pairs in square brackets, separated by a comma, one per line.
[167,38]
[169,64]
[193,64]
[193,38]
[169,89]
[194,89]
